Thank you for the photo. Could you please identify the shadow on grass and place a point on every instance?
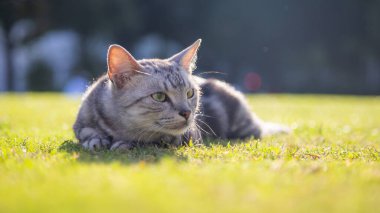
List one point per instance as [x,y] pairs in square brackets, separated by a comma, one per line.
[227,142]
[148,154]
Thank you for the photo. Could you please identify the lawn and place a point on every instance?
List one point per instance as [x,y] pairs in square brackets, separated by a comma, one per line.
[330,163]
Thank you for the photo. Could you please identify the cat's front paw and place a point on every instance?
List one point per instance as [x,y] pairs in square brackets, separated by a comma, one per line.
[122,146]
[96,144]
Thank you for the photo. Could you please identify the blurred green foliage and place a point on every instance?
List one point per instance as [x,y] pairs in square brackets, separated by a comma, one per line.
[295,46]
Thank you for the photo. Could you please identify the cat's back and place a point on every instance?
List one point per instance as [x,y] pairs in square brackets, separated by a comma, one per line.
[214,90]
[225,112]
[91,102]
[95,89]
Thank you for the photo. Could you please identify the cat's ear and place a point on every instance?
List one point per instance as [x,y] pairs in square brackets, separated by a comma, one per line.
[187,57]
[121,65]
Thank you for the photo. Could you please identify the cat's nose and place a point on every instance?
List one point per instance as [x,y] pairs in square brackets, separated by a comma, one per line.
[185,113]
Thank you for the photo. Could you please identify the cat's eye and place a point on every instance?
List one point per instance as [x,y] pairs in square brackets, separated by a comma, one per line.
[190,93]
[159,96]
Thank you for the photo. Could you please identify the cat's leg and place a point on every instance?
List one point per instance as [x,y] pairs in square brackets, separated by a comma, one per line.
[91,139]
[254,127]
[169,141]
[165,142]
[245,125]
[246,129]
[122,146]
[270,128]
[180,140]
[193,136]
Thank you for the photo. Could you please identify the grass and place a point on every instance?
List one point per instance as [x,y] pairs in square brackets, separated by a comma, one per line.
[330,163]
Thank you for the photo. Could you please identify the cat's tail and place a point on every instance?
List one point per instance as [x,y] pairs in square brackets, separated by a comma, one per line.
[269,128]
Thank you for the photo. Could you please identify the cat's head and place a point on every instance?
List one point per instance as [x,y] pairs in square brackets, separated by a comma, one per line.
[154,95]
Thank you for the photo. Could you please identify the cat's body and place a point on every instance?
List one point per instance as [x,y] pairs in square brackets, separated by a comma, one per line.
[160,101]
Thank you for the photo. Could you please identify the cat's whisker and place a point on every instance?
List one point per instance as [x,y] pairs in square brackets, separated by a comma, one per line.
[204,115]
[198,126]
[154,132]
[211,72]
[140,134]
[145,133]
[144,130]
[202,130]
[185,136]
[206,125]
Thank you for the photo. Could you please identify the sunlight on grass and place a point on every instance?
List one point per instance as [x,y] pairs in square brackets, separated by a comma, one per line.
[331,162]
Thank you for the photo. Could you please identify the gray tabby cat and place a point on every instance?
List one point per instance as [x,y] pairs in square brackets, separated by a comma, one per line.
[159,101]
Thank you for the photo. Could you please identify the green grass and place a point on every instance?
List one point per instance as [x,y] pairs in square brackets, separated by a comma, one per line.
[330,163]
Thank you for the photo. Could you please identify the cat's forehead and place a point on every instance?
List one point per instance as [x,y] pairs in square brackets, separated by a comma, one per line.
[168,74]
[158,66]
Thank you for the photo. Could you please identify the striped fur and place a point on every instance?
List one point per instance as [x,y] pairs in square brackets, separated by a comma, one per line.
[225,113]
[118,111]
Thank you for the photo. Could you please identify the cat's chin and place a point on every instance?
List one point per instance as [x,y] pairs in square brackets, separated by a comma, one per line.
[175,132]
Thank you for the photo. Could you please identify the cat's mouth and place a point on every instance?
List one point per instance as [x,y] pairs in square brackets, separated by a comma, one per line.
[178,125]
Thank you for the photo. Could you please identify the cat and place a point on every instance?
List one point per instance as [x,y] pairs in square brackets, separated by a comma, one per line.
[159,101]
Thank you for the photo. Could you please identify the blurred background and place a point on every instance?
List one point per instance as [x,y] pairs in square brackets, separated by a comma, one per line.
[291,46]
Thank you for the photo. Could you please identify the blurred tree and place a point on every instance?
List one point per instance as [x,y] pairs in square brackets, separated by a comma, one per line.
[293,45]
[40,77]
[113,19]
[10,13]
